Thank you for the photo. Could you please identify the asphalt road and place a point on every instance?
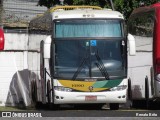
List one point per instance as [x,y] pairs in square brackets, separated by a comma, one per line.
[89,115]
[84,112]
[98,111]
[88,112]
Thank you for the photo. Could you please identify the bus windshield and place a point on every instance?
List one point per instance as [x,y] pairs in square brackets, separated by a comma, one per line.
[92,55]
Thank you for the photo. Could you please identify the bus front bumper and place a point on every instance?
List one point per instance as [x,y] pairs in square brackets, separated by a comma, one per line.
[62,97]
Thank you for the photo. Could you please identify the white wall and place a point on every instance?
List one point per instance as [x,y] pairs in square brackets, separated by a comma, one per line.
[16,41]
[14,72]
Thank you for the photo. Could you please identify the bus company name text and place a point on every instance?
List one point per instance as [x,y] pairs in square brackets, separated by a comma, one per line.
[22,115]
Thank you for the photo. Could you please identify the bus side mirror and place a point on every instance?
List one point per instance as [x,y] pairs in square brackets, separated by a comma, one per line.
[132,45]
[47,47]
[1,39]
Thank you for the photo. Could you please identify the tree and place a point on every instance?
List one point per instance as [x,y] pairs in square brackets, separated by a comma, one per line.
[50,3]
[1,12]
[127,6]
[124,6]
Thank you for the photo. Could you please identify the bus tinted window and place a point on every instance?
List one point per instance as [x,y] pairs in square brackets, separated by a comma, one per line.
[70,54]
[88,28]
[142,24]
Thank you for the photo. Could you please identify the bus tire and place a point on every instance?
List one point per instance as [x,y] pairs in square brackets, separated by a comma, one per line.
[48,92]
[35,102]
[147,92]
[34,92]
[114,106]
[129,90]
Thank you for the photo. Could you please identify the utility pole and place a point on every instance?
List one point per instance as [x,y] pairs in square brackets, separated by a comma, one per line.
[61,2]
[111,3]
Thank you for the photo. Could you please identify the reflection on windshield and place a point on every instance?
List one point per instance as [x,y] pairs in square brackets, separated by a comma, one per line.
[88,59]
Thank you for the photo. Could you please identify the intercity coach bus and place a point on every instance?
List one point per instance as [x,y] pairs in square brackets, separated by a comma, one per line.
[78,55]
[144,67]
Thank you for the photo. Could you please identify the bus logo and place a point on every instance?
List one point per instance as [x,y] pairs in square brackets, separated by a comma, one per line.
[90,88]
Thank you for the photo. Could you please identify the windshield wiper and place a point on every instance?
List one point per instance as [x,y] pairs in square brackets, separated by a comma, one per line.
[80,67]
[101,66]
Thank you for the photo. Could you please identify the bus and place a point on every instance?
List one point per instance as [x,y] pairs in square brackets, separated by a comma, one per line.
[144,67]
[1,39]
[78,55]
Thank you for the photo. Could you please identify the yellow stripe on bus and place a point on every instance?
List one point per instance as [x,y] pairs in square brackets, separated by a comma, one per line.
[80,85]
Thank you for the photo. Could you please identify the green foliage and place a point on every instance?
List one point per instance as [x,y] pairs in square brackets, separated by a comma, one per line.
[101,3]
[123,6]
[50,3]
[127,6]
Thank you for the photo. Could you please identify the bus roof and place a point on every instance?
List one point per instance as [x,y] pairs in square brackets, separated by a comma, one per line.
[66,12]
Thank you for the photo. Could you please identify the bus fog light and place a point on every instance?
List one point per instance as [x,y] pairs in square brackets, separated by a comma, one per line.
[123,96]
[61,88]
[57,97]
[119,88]
[158,77]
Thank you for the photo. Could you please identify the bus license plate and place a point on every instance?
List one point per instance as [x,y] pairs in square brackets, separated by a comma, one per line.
[90,98]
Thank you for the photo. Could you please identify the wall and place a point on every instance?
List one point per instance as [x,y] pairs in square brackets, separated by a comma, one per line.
[14,73]
[14,87]
[18,13]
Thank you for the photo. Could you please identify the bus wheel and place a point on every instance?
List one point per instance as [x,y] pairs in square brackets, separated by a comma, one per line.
[136,103]
[129,94]
[114,106]
[129,90]
[34,92]
[147,92]
[35,102]
[48,92]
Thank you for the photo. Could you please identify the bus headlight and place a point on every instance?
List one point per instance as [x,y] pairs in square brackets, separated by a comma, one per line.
[61,88]
[119,88]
